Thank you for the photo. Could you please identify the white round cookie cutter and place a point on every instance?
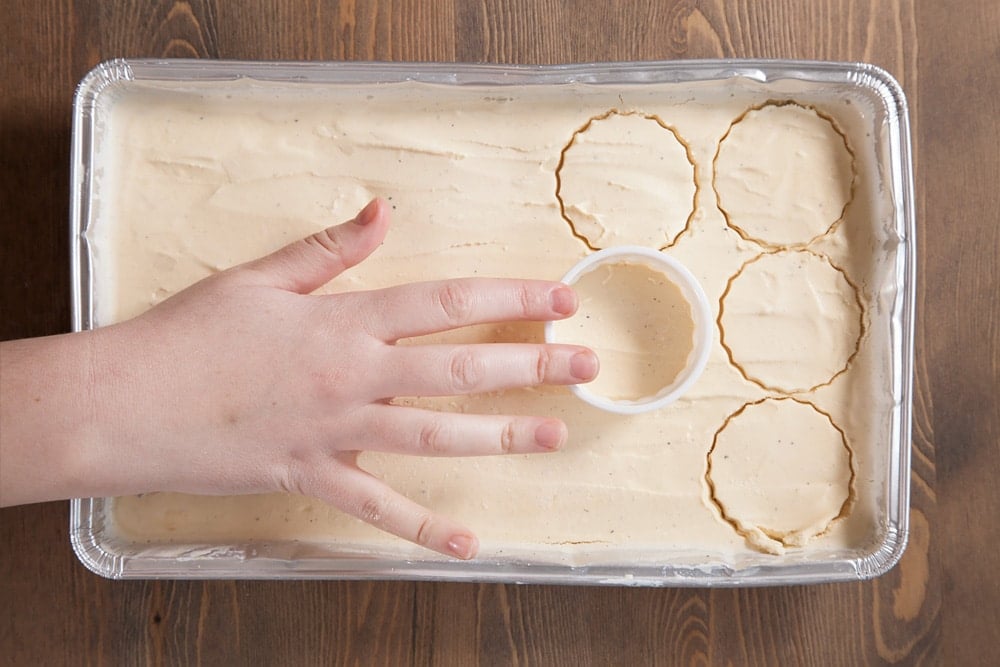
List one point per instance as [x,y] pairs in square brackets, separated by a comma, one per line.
[701,312]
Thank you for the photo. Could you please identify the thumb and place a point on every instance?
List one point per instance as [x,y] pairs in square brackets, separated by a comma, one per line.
[310,263]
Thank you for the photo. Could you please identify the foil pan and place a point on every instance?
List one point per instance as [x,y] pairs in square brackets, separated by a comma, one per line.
[102,550]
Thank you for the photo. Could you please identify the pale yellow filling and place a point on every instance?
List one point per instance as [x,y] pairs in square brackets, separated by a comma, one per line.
[645,200]
[191,181]
[782,306]
[783,175]
[763,483]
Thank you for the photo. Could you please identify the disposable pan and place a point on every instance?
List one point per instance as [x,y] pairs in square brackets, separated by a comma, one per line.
[878,126]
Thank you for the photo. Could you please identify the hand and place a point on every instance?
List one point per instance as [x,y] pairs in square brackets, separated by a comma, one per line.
[246,383]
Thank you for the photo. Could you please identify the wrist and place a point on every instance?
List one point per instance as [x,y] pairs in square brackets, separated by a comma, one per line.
[43,418]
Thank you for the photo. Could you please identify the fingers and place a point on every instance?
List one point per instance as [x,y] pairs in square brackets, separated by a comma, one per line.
[358,493]
[424,432]
[404,430]
[422,308]
[452,370]
[310,263]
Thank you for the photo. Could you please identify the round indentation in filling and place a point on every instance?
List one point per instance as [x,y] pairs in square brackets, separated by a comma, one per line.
[626,178]
[790,321]
[784,174]
[780,471]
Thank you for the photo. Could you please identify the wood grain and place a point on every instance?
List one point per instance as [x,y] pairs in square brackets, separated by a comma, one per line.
[940,605]
[960,146]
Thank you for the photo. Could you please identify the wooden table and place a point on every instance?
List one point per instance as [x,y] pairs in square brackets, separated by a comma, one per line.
[940,605]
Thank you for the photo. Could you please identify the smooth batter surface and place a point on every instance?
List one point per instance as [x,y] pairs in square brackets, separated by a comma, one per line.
[783,174]
[646,199]
[193,180]
[791,320]
[639,324]
[766,487]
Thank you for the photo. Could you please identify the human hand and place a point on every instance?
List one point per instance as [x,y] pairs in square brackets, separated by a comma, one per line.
[246,383]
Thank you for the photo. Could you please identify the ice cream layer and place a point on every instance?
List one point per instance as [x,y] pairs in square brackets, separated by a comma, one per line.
[645,200]
[191,179]
[783,174]
[766,487]
[791,320]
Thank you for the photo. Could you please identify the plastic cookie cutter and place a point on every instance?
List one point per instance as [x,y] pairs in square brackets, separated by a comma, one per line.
[701,314]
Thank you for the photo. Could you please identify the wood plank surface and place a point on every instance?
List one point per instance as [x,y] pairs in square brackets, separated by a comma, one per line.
[941,605]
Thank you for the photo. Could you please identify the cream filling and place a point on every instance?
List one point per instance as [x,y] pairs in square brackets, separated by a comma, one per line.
[638,322]
[766,487]
[781,307]
[783,174]
[645,200]
[193,179]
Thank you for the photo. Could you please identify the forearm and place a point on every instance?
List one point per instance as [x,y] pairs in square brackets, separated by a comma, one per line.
[50,434]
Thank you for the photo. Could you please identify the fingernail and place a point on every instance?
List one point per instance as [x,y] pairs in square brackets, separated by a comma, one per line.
[550,434]
[462,546]
[367,214]
[583,366]
[563,300]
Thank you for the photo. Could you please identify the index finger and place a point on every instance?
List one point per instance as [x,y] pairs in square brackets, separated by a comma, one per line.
[430,307]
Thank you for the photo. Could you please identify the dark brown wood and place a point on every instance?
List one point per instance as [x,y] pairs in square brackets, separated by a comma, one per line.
[940,605]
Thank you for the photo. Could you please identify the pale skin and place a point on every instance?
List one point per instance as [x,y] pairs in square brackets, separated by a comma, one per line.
[248,383]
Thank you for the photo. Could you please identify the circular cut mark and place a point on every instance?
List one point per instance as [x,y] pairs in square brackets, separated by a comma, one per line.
[780,472]
[790,321]
[784,175]
[626,178]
